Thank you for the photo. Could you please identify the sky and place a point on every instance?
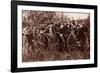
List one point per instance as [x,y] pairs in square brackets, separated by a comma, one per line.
[76,16]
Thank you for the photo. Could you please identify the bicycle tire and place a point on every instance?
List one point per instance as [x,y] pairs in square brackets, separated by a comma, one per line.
[71,41]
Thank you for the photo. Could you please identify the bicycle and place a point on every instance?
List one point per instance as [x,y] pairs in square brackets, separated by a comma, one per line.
[77,39]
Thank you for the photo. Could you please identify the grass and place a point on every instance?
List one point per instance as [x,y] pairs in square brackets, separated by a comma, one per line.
[40,53]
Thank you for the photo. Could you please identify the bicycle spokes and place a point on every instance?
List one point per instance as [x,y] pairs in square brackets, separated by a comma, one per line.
[77,40]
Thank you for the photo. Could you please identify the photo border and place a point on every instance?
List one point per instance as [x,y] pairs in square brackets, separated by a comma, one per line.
[14,28]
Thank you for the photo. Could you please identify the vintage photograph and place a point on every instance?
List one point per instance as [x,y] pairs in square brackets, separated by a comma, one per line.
[55,35]
[52,36]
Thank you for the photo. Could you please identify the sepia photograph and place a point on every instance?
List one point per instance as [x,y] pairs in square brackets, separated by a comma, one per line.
[55,35]
[52,36]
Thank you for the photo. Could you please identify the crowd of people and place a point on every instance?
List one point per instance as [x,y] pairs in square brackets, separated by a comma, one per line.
[48,33]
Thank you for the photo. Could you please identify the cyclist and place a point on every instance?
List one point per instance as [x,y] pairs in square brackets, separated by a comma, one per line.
[51,30]
[24,33]
[29,36]
[27,40]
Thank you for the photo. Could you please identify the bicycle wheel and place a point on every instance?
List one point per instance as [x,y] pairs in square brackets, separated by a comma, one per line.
[77,39]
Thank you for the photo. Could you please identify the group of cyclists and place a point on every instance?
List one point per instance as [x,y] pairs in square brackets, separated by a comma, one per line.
[46,34]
